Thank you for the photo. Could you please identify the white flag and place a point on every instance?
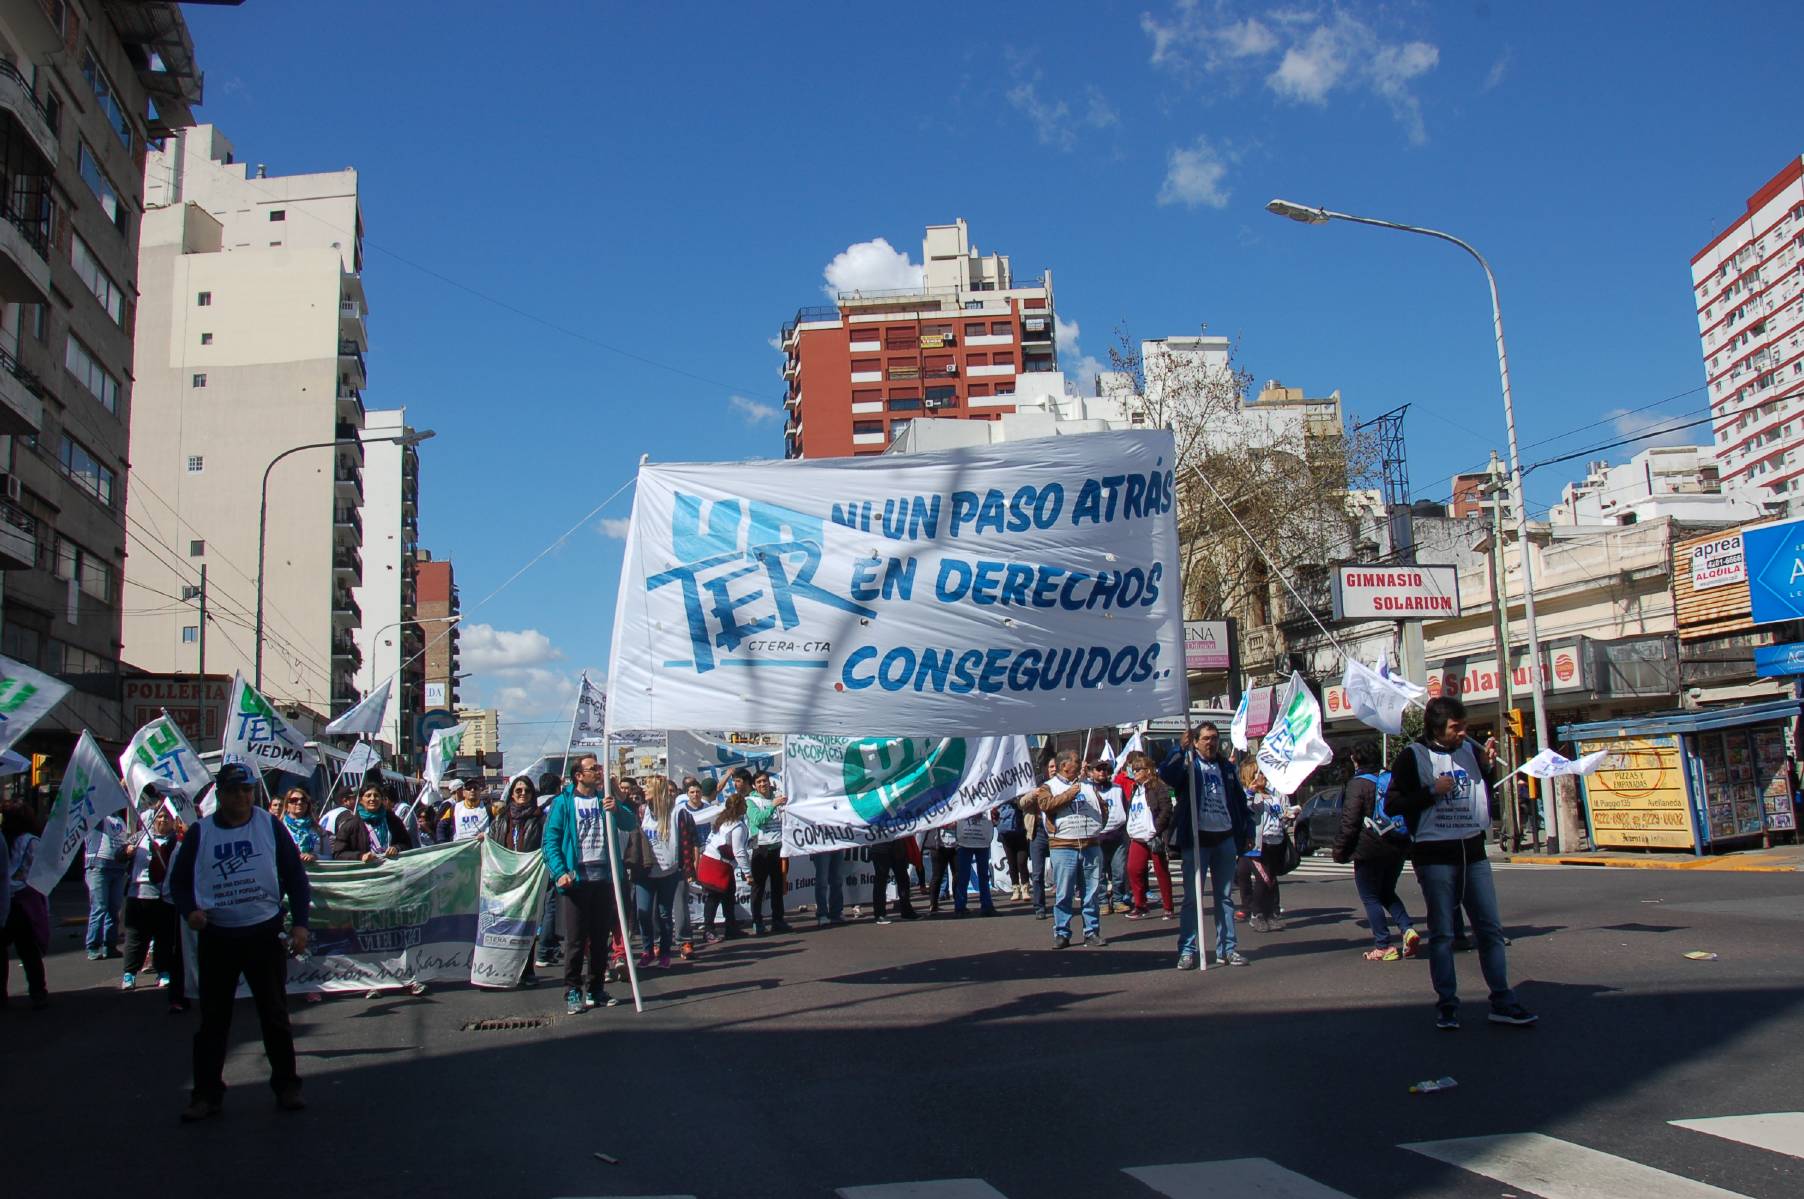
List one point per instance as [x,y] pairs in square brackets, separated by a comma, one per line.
[1377,698]
[26,697]
[1237,732]
[12,763]
[1293,747]
[1136,745]
[587,731]
[1108,751]
[90,793]
[258,737]
[366,718]
[362,759]
[441,754]
[1550,764]
[159,754]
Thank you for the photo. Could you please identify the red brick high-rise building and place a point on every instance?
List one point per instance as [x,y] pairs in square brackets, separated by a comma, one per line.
[859,370]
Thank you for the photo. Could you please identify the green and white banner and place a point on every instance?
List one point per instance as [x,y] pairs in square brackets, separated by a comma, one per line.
[26,697]
[441,753]
[256,735]
[513,892]
[389,923]
[159,754]
[848,792]
[1293,747]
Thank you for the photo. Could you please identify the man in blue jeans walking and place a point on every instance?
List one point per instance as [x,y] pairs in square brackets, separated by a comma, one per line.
[1074,814]
[829,892]
[1209,812]
[105,875]
[1441,784]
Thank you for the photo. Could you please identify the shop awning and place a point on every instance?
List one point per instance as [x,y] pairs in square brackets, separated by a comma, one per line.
[1691,721]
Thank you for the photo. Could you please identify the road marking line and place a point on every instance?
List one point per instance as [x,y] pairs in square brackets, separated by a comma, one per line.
[1781,1132]
[943,1188]
[1248,1176]
[1555,1169]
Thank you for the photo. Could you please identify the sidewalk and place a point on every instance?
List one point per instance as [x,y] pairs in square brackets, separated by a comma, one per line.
[1783,859]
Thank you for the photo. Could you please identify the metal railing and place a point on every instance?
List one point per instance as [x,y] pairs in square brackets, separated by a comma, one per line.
[820,312]
[347,516]
[11,365]
[9,71]
[18,518]
[345,558]
[35,230]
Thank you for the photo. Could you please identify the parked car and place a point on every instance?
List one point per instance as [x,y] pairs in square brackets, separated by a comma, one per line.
[1319,822]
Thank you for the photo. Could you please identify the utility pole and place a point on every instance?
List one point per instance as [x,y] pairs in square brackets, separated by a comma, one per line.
[203,621]
[1496,490]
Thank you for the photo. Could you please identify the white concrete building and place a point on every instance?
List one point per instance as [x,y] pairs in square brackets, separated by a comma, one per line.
[386,635]
[482,731]
[1748,285]
[250,344]
[1677,481]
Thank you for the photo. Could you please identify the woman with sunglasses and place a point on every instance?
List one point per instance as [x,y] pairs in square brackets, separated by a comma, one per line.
[520,826]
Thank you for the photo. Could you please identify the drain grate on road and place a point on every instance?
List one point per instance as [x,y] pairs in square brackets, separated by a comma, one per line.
[506,1024]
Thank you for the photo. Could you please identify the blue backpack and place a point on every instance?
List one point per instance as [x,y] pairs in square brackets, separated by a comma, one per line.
[1393,830]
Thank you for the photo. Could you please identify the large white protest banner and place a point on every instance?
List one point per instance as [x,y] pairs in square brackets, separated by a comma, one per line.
[1377,697]
[714,754]
[1011,588]
[1293,747]
[26,697]
[256,735]
[159,754]
[846,792]
[89,794]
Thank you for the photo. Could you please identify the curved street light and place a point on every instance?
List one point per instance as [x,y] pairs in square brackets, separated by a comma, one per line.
[1321,216]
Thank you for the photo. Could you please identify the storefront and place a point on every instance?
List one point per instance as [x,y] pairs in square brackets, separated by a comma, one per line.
[1699,781]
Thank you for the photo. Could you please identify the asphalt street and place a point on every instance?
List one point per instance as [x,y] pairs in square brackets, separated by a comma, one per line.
[970,1049]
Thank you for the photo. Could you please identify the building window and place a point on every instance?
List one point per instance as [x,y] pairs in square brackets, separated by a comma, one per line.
[88,267]
[196,463]
[91,375]
[206,339]
[866,395]
[867,426]
[204,299]
[1003,360]
[200,379]
[190,634]
[196,548]
[108,95]
[101,186]
[86,471]
[974,329]
[278,214]
[40,322]
[905,405]
[941,397]
[90,572]
[978,389]
[977,360]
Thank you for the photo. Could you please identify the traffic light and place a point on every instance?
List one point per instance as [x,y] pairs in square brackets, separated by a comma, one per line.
[38,762]
[1514,723]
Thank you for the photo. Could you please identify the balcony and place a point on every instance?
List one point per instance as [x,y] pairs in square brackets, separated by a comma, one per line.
[17,99]
[347,482]
[18,539]
[350,405]
[345,610]
[347,564]
[344,649]
[347,521]
[21,409]
[24,249]
[346,431]
[351,355]
[804,316]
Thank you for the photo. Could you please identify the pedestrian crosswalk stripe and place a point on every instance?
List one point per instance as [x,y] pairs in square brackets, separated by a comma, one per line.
[1781,1132]
[944,1188]
[1255,1177]
[1555,1169]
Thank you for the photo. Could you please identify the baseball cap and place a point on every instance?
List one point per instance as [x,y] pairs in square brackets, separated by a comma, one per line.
[453,786]
[235,774]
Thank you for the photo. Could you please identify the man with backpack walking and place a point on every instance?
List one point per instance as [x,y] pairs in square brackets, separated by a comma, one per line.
[1377,844]
[1441,784]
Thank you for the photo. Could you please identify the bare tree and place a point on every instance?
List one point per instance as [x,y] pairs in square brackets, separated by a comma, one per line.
[1278,479]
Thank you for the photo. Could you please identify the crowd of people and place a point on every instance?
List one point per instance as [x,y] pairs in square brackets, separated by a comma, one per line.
[1078,846]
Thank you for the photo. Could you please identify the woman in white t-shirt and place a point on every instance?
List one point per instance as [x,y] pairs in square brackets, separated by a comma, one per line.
[725,862]
[658,882]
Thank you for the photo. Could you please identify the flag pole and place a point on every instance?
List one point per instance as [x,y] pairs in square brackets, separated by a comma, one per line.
[616,864]
[582,687]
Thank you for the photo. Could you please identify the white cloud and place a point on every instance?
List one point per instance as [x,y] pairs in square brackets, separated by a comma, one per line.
[1194,175]
[486,648]
[1099,114]
[1499,69]
[1080,368]
[873,265]
[1317,54]
[1634,424]
[753,412]
[1051,119]
[613,526]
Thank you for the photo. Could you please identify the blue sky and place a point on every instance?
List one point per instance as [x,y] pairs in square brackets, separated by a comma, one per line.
[546,184]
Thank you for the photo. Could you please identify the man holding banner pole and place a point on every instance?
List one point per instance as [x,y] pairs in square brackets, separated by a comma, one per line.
[582,856]
[1212,821]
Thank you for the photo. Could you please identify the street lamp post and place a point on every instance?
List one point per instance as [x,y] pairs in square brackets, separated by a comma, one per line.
[1321,216]
[401,439]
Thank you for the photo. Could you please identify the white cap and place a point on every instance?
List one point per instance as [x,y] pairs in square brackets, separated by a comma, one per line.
[454,786]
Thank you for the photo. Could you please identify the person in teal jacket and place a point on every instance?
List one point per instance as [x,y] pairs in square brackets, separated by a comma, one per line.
[576,857]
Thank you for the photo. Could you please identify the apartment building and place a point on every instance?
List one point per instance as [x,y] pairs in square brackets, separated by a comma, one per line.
[482,731]
[1680,481]
[250,373]
[1748,285]
[860,369]
[436,588]
[86,87]
[389,634]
